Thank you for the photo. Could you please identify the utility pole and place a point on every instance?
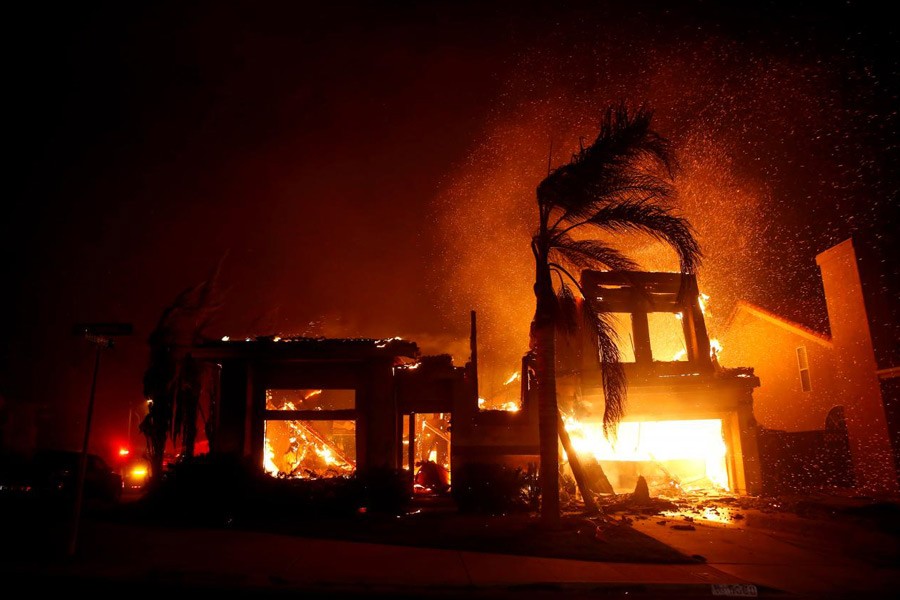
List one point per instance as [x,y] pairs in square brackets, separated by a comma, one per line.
[101,335]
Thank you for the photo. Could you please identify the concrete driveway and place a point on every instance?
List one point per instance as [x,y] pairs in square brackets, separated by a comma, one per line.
[811,558]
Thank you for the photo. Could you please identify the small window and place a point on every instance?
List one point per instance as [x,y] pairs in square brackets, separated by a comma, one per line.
[803,366]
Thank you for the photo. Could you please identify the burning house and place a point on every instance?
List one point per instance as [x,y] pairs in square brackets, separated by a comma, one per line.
[327,407]
[310,407]
[689,423]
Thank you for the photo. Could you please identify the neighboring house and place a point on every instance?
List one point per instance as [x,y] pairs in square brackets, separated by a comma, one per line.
[795,366]
[813,381]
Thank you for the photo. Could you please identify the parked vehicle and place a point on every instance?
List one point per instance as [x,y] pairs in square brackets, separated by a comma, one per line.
[135,474]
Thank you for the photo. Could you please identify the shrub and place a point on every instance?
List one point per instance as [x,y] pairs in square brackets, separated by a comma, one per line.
[383,490]
[221,491]
[493,488]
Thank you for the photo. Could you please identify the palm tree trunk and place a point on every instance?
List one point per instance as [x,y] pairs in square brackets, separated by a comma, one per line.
[575,464]
[543,343]
[155,429]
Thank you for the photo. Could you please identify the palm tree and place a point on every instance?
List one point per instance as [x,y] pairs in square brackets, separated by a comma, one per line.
[620,183]
[173,379]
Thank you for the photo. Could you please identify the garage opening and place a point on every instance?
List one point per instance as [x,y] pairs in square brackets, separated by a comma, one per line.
[675,456]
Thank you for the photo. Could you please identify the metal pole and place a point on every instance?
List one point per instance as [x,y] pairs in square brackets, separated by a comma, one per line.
[473,351]
[130,412]
[411,450]
[82,464]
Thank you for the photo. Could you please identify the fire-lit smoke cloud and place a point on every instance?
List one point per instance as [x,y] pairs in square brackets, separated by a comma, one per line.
[764,139]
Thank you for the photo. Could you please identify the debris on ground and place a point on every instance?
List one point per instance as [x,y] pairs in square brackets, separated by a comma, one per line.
[638,503]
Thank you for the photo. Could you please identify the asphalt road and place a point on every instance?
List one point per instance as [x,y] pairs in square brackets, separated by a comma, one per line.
[742,559]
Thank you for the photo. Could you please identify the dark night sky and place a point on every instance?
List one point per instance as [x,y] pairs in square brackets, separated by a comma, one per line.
[361,167]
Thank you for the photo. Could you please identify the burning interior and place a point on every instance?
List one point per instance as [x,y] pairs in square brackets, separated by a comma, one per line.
[673,456]
[315,445]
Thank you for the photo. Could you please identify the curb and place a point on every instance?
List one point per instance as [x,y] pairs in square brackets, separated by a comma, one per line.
[148,586]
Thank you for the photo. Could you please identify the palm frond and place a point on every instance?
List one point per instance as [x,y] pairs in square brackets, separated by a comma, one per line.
[567,309]
[655,220]
[591,254]
[628,134]
[614,384]
[622,160]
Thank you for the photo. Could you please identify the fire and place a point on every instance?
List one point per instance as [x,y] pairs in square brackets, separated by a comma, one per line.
[326,454]
[496,401]
[702,300]
[307,452]
[269,459]
[312,394]
[687,455]
[320,446]
[510,406]
[715,347]
[384,342]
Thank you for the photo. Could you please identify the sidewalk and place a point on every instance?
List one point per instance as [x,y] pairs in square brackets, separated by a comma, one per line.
[781,553]
[248,561]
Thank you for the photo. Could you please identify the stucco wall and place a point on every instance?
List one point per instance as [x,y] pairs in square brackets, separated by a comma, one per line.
[780,402]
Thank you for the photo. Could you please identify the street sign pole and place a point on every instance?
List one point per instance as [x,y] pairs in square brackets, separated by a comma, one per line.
[99,334]
[82,463]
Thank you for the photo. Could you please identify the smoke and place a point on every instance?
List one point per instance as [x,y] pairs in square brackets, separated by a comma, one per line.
[765,141]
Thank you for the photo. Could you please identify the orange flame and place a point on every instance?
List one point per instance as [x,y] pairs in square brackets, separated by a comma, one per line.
[696,448]
[513,377]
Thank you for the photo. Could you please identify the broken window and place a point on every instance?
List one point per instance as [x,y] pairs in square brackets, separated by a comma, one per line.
[310,449]
[310,433]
